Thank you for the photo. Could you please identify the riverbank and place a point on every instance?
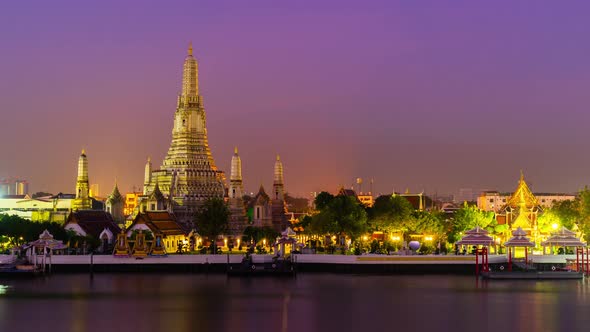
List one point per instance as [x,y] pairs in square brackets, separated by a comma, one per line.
[412,264]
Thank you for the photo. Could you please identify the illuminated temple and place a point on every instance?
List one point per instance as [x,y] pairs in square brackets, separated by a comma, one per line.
[521,210]
[188,174]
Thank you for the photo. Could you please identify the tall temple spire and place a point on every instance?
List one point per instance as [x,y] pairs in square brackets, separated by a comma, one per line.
[188,173]
[279,206]
[190,76]
[236,166]
[147,177]
[235,193]
[278,178]
[82,200]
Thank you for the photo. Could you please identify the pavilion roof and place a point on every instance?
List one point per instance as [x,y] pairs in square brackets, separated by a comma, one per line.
[477,230]
[564,237]
[519,239]
[46,240]
[476,236]
[522,196]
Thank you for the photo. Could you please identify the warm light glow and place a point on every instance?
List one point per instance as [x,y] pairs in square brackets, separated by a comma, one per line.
[554,226]
[238,243]
[395,238]
[365,238]
[264,242]
[428,238]
[225,242]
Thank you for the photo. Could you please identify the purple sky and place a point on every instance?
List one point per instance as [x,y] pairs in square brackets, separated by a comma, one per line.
[434,95]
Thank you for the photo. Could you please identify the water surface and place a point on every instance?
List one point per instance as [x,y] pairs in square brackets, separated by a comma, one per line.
[310,302]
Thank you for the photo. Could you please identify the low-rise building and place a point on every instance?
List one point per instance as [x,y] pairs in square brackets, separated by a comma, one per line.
[164,223]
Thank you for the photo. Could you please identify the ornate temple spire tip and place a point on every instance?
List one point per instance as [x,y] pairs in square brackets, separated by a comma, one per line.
[190,48]
[83,151]
[278,157]
[236,150]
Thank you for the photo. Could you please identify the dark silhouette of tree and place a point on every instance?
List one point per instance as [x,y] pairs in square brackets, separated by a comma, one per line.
[212,219]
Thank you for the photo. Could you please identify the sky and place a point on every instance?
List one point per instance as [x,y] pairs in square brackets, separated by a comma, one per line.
[423,95]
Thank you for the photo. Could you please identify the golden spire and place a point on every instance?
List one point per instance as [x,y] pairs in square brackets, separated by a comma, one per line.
[190,48]
[236,150]
[278,157]
[83,151]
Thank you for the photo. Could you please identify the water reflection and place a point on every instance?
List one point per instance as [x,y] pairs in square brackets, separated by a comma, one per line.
[310,302]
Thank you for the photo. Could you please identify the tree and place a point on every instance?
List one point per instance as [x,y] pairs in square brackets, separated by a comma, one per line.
[322,200]
[212,219]
[256,234]
[469,217]
[583,205]
[340,215]
[392,214]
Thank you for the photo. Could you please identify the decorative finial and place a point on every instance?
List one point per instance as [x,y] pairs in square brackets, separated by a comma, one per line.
[278,158]
[190,48]
[236,150]
[83,151]
[521,175]
[149,159]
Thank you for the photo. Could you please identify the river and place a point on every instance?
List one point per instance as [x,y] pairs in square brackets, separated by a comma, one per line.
[309,302]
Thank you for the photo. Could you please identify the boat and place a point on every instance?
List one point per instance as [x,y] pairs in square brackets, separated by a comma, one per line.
[532,275]
[19,269]
[248,267]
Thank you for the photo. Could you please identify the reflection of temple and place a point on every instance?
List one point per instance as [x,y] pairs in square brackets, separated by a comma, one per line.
[521,210]
[188,174]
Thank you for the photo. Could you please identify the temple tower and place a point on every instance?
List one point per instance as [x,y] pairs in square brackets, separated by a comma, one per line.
[147,175]
[188,174]
[235,193]
[279,207]
[279,182]
[82,200]
[115,204]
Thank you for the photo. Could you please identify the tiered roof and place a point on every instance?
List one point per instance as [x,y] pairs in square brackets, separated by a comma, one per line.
[476,236]
[93,222]
[563,237]
[519,239]
[522,196]
[160,222]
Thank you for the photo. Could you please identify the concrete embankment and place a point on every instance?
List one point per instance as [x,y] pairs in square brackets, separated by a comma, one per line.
[427,264]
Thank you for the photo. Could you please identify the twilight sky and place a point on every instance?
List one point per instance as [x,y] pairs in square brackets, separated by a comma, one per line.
[427,95]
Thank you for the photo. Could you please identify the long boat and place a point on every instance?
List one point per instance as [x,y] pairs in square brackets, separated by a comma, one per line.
[532,275]
[250,267]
